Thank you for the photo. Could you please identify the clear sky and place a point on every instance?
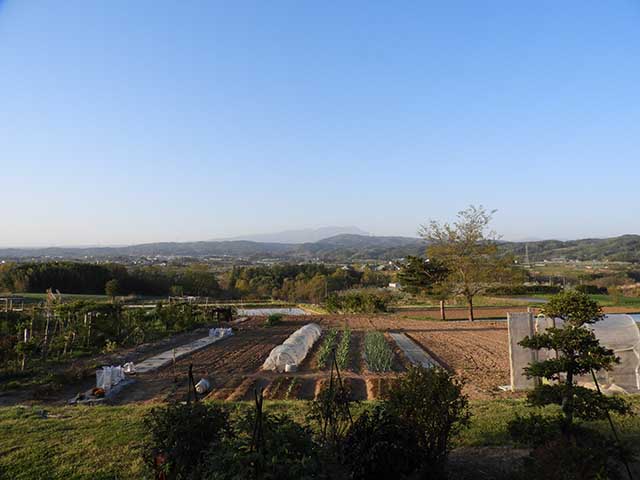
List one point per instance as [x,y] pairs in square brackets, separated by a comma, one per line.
[130,121]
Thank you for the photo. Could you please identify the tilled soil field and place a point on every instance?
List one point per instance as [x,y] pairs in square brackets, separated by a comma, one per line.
[476,352]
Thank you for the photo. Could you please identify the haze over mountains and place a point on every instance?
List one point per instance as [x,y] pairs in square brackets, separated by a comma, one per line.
[305,235]
[337,248]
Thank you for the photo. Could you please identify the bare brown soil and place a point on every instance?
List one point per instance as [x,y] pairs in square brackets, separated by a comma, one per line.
[475,352]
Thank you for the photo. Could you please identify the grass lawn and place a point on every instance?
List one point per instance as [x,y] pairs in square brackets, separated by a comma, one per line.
[106,442]
[603,300]
[620,301]
[456,310]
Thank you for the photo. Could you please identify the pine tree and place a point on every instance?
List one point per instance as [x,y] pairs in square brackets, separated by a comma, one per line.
[578,353]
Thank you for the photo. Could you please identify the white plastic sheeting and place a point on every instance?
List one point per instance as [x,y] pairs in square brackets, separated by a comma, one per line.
[108,377]
[620,333]
[220,332]
[294,349]
[129,368]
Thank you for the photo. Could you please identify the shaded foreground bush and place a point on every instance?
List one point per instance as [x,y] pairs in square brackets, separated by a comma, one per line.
[431,402]
[181,434]
[587,454]
[285,451]
[407,436]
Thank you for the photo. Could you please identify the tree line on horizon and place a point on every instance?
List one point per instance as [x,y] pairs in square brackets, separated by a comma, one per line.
[295,283]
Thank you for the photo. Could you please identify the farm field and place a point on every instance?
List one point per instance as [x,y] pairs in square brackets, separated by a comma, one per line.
[477,352]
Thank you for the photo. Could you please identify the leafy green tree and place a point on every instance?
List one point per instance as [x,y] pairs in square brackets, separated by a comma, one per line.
[579,353]
[112,288]
[420,275]
[469,251]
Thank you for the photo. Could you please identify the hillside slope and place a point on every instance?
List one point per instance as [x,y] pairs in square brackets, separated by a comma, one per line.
[339,248]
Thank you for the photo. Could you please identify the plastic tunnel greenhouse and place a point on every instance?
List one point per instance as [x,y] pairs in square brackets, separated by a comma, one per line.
[618,332]
[294,349]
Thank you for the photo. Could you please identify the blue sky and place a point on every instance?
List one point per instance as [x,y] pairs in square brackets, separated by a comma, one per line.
[125,122]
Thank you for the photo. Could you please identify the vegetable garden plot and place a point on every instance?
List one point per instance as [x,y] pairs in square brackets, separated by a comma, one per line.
[476,352]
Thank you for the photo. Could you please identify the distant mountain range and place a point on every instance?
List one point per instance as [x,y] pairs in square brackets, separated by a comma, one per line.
[307,235]
[338,248]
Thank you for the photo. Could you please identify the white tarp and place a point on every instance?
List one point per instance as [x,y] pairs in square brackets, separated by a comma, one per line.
[294,349]
[220,332]
[108,377]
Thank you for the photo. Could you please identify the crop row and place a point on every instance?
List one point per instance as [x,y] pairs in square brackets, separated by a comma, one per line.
[328,344]
[377,352]
[342,352]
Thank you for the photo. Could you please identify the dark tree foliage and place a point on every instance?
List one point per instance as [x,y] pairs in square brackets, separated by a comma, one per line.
[588,455]
[287,452]
[86,278]
[381,445]
[179,436]
[431,401]
[405,437]
[427,276]
[357,302]
[592,289]
[298,283]
[112,288]
[420,275]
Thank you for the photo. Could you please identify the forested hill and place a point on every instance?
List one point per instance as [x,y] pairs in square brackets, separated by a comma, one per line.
[625,248]
[339,248]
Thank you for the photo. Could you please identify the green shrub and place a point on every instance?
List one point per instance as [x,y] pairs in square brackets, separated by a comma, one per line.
[377,352]
[287,452]
[430,401]
[587,455]
[273,319]
[381,445]
[181,434]
[358,302]
[330,412]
